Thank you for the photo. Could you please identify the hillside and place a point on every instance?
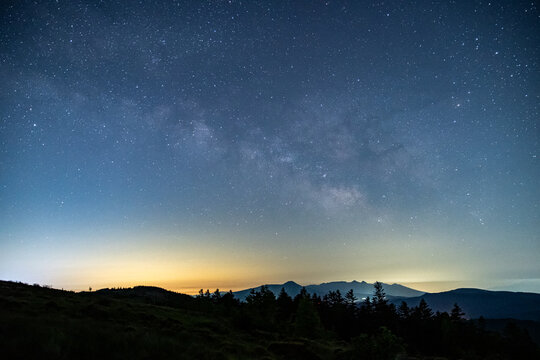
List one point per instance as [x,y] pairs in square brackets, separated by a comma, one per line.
[489,304]
[135,323]
[152,323]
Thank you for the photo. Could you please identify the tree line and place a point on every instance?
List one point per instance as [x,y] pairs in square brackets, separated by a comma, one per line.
[373,328]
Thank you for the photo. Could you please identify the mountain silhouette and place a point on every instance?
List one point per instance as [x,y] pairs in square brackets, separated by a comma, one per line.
[361,289]
[477,302]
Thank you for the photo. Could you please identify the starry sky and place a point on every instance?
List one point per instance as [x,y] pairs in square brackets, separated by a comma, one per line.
[190,144]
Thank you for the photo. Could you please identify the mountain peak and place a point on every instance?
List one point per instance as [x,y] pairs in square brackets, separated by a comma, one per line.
[361,289]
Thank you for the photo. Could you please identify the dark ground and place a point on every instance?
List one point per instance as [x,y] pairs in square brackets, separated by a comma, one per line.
[152,323]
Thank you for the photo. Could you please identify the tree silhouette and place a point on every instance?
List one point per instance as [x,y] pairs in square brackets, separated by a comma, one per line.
[307,322]
[367,305]
[334,298]
[228,299]
[262,305]
[380,296]
[404,311]
[456,314]
[423,311]
[303,294]
[350,299]
[284,305]
[375,330]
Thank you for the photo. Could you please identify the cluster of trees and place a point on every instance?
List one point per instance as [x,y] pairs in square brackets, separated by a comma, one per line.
[372,327]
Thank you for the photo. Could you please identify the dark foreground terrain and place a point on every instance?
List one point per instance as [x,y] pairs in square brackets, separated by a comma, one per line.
[152,323]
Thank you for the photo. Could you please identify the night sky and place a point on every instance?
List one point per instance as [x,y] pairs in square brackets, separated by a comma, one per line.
[229,144]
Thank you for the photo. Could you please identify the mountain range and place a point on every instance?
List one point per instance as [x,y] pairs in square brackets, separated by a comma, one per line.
[474,302]
[477,302]
[361,289]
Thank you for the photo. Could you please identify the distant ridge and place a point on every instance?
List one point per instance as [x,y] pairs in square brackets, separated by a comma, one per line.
[474,302]
[486,303]
[361,289]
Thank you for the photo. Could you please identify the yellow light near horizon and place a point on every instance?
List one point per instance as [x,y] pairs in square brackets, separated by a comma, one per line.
[189,263]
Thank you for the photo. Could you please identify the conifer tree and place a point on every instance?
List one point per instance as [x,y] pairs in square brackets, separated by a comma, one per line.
[404,311]
[423,311]
[457,313]
[350,299]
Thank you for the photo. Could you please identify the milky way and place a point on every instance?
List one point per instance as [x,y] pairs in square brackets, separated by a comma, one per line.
[191,144]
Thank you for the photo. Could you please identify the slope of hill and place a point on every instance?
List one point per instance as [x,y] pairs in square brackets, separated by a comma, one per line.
[361,289]
[134,323]
[489,304]
[148,322]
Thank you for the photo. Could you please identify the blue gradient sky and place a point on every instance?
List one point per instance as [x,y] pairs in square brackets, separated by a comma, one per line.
[228,144]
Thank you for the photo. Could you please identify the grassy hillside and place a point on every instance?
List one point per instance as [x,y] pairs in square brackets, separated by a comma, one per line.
[144,323]
[152,323]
